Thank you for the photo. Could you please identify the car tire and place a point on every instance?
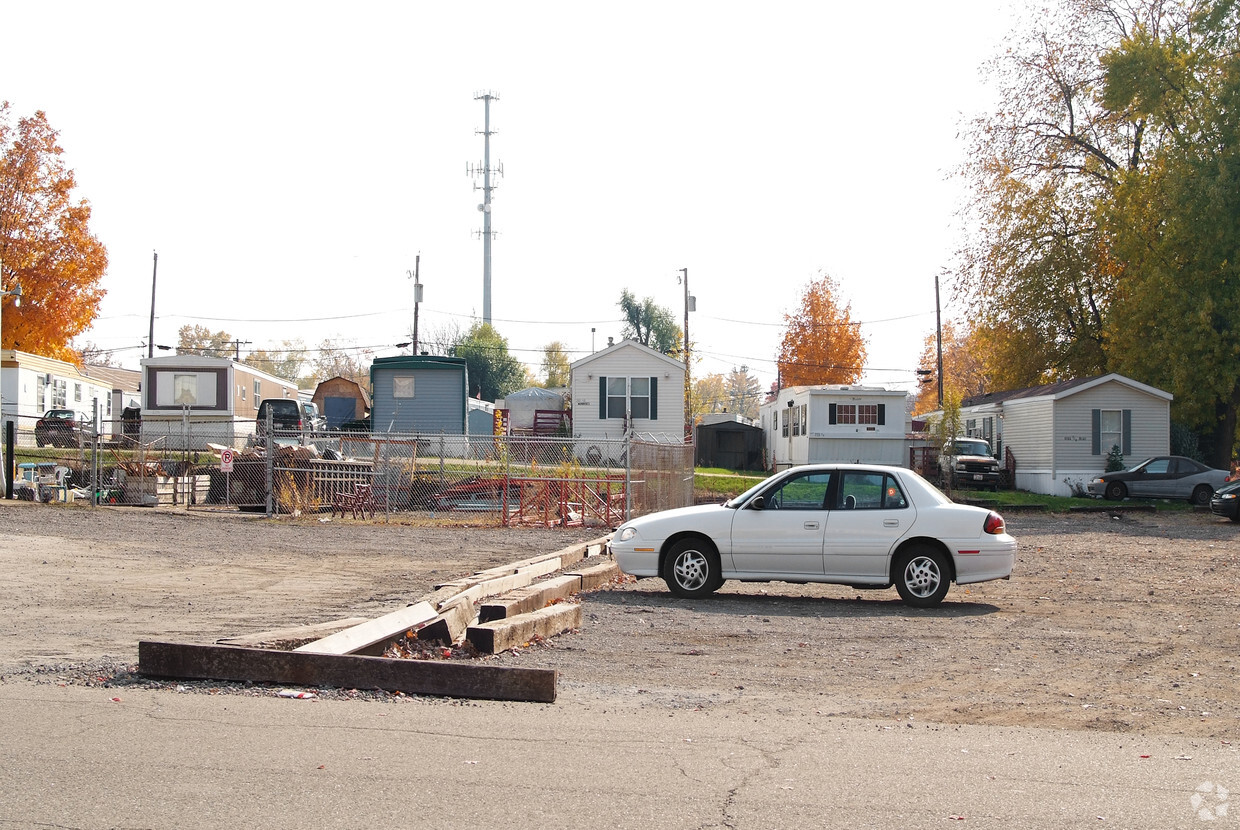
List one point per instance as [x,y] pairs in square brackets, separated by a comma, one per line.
[921,576]
[1116,491]
[1201,495]
[692,569]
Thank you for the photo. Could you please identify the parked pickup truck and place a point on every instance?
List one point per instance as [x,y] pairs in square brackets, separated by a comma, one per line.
[967,461]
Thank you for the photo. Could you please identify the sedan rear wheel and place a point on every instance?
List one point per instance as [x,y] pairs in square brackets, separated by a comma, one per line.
[692,569]
[922,577]
[1201,495]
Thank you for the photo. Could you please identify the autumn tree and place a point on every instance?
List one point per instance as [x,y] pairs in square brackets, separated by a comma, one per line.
[286,362]
[46,245]
[493,373]
[1106,185]
[821,344]
[200,340]
[650,324]
[339,359]
[709,394]
[555,365]
[1174,221]
[964,367]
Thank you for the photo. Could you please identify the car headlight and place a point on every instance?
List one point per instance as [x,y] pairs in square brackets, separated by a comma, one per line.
[1225,495]
[626,533]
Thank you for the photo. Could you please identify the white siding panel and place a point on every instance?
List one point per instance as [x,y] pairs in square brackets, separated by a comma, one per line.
[861,450]
[628,363]
[1151,426]
[1027,428]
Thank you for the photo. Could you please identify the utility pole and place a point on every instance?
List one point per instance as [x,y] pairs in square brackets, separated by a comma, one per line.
[237,344]
[150,340]
[938,336]
[486,170]
[417,297]
[690,305]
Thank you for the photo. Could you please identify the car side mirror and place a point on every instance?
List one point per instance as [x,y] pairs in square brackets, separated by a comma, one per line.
[758,503]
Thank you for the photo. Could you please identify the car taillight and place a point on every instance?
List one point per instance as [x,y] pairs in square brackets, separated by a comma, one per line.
[994,523]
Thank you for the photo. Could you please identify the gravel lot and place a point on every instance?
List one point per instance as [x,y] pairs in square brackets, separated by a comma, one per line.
[1125,623]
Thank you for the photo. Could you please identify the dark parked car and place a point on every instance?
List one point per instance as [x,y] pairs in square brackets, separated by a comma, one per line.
[286,417]
[1162,477]
[1226,501]
[61,428]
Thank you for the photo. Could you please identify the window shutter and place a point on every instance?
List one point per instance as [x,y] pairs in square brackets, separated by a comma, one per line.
[1095,417]
[882,414]
[654,399]
[1127,450]
[602,398]
[831,414]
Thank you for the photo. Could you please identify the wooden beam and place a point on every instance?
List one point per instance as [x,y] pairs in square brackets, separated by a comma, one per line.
[451,623]
[283,638]
[596,575]
[444,678]
[372,632]
[494,637]
[530,598]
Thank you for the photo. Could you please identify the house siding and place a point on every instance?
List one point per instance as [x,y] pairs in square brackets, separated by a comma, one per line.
[437,405]
[627,360]
[1150,432]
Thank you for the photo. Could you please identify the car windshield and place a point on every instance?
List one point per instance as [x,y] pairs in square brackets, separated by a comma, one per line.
[737,501]
[964,447]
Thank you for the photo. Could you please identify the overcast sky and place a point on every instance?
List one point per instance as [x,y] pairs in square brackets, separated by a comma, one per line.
[288,161]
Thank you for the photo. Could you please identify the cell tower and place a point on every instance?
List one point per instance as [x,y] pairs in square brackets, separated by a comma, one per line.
[486,171]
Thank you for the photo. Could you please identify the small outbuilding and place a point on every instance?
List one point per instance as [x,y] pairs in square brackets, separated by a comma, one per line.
[423,394]
[341,400]
[730,442]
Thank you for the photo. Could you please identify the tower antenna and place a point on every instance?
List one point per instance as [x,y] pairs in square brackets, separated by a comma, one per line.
[485,170]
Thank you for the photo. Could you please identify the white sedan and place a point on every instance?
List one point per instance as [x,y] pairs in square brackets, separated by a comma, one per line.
[869,526]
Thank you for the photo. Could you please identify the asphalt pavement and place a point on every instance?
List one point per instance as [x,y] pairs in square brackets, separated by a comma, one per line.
[81,757]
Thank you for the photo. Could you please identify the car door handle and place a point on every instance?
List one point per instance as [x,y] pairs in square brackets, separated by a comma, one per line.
[891,522]
[811,525]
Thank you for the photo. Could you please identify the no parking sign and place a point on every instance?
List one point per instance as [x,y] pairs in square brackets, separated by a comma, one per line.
[226,460]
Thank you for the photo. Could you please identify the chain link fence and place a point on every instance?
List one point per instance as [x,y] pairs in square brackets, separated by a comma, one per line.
[490,480]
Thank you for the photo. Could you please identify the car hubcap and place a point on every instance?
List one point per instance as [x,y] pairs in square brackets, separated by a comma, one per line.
[691,570]
[922,576]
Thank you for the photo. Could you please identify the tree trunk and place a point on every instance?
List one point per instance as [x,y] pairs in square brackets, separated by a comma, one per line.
[1225,430]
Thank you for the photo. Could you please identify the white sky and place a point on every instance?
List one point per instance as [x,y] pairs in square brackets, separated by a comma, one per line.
[288,160]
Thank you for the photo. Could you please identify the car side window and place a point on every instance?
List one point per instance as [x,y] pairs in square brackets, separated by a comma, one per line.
[861,490]
[805,492]
[1158,467]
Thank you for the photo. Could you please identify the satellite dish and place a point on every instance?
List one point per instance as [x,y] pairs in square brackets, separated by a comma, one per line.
[481,208]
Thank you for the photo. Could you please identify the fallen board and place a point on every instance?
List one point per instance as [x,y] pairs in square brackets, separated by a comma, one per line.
[377,631]
[421,677]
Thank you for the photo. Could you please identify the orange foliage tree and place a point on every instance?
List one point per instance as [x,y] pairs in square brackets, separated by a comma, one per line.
[821,344]
[45,243]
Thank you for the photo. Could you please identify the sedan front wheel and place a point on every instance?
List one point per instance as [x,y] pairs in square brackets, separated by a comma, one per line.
[921,577]
[692,569]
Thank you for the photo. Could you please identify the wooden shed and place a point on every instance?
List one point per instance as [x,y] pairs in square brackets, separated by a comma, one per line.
[341,400]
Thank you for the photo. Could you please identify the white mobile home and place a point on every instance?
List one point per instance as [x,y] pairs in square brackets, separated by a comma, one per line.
[811,424]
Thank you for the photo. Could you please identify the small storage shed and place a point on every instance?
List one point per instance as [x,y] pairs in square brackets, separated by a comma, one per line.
[341,400]
[523,405]
[421,394]
[729,442]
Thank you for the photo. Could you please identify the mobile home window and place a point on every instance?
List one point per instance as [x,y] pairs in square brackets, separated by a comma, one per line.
[783,419]
[639,397]
[185,389]
[1112,429]
[60,394]
[846,413]
[402,386]
[258,388]
[77,392]
[804,416]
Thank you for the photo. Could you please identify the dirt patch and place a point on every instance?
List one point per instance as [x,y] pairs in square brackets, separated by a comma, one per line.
[1118,624]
